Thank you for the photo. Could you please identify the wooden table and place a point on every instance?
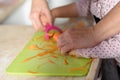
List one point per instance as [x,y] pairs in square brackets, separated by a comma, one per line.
[12,41]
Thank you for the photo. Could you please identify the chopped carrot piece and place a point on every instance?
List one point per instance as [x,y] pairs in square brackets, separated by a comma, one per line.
[37,38]
[54,47]
[56,35]
[32,72]
[43,54]
[41,64]
[74,69]
[54,56]
[87,63]
[52,51]
[29,58]
[32,47]
[47,52]
[65,61]
[45,40]
[81,68]
[44,57]
[73,55]
[51,33]
[51,61]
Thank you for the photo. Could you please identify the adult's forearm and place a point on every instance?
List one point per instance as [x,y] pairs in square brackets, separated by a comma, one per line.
[109,25]
[66,11]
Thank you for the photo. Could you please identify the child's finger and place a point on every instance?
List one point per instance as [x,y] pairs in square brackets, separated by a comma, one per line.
[38,21]
[49,18]
[34,25]
[35,17]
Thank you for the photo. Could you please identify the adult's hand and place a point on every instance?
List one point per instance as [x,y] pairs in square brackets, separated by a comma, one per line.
[75,38]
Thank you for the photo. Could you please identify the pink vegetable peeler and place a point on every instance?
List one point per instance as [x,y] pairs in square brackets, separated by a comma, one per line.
[51,27]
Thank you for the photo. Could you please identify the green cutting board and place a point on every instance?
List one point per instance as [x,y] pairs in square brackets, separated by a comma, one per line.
[42,58]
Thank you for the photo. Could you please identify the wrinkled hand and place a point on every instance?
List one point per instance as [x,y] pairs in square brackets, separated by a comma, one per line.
[40,14]
[75,38]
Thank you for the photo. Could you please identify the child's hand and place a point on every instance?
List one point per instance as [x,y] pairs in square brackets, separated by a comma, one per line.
[75,38]
[40,14]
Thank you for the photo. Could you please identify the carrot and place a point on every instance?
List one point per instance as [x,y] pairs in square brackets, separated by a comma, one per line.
[29,58]
[43,54]
[47,52]
[45,40]
[55,36]
[41,65]
[44,57]
[51,61]
[32,47]
[65,61]
[54,47]
[81,68]
[37,38]
[52,51]
[40,54]
[51,33]
[74,69]
[54,56]
[73,55]
[32,72]
[87,63]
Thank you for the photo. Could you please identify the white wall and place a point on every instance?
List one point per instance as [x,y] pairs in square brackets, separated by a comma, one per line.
[21,15]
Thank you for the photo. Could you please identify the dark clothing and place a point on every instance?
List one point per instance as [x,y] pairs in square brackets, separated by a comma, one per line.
[109,70]
[96,19]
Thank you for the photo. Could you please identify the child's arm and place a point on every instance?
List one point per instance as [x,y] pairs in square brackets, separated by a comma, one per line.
[79,8]
[65,11]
